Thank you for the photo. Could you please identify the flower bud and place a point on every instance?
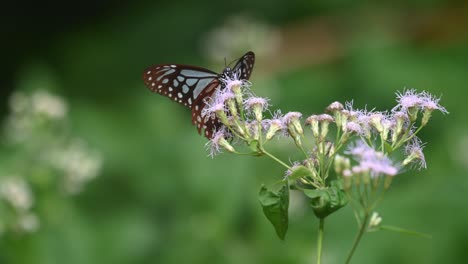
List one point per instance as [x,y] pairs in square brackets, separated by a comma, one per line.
[345,117]
[219,141]
[253,127]
[335,107]
[413,113]
[231,104]
[275,126]
[291,120]
[374,221]
[426,116]
[314,125]
[400,119]
[222,117]
[257,105]
[414,152]
[235,86]
[341,164]
[347,179]
[386,125]
[225,144]
[324,120]
[376,121]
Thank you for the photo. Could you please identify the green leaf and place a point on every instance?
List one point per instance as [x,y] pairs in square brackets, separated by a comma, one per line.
[275,207]
[327,200]
[254,145]
[388,147]
[299,172]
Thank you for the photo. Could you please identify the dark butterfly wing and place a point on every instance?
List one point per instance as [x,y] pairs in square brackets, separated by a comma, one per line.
[193,87]
[244,66]
[242,70]
[209,123]
[181,83]
[188,85]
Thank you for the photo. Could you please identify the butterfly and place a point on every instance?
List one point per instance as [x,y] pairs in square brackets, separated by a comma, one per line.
[193,87]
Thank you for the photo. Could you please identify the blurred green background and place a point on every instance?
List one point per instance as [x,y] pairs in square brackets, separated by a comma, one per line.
[158,198]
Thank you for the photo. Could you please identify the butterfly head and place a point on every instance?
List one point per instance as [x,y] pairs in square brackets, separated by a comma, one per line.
[227,73]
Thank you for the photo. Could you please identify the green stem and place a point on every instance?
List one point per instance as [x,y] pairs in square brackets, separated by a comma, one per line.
[275,158]
[404,231]
[320,240]
[358,237]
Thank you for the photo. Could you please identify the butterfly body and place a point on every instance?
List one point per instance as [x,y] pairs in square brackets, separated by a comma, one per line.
[193,86]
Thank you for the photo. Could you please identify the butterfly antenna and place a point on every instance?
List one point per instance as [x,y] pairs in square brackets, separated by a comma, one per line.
[234,60]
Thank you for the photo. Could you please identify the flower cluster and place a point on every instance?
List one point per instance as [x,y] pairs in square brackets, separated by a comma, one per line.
[359,145]
[37,129]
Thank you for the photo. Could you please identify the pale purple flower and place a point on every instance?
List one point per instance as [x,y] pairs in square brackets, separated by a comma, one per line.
[213,108]
[335,106]
[400,116]
[312,120]
[217,142]
[363,118]
[218,102]
[353,127]
[325,118]
[274,125]
[414,152]
[251,102]
[424,101]
[291,120]
[290,117]
[408,99]
[234,82]
[431,102]
[372,161]
[351,112]
[256,106]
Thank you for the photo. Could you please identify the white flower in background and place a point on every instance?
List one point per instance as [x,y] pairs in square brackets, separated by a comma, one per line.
[239,34]
[28,110]
[78,163]
[28,223]
[49,105]
[16,191]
